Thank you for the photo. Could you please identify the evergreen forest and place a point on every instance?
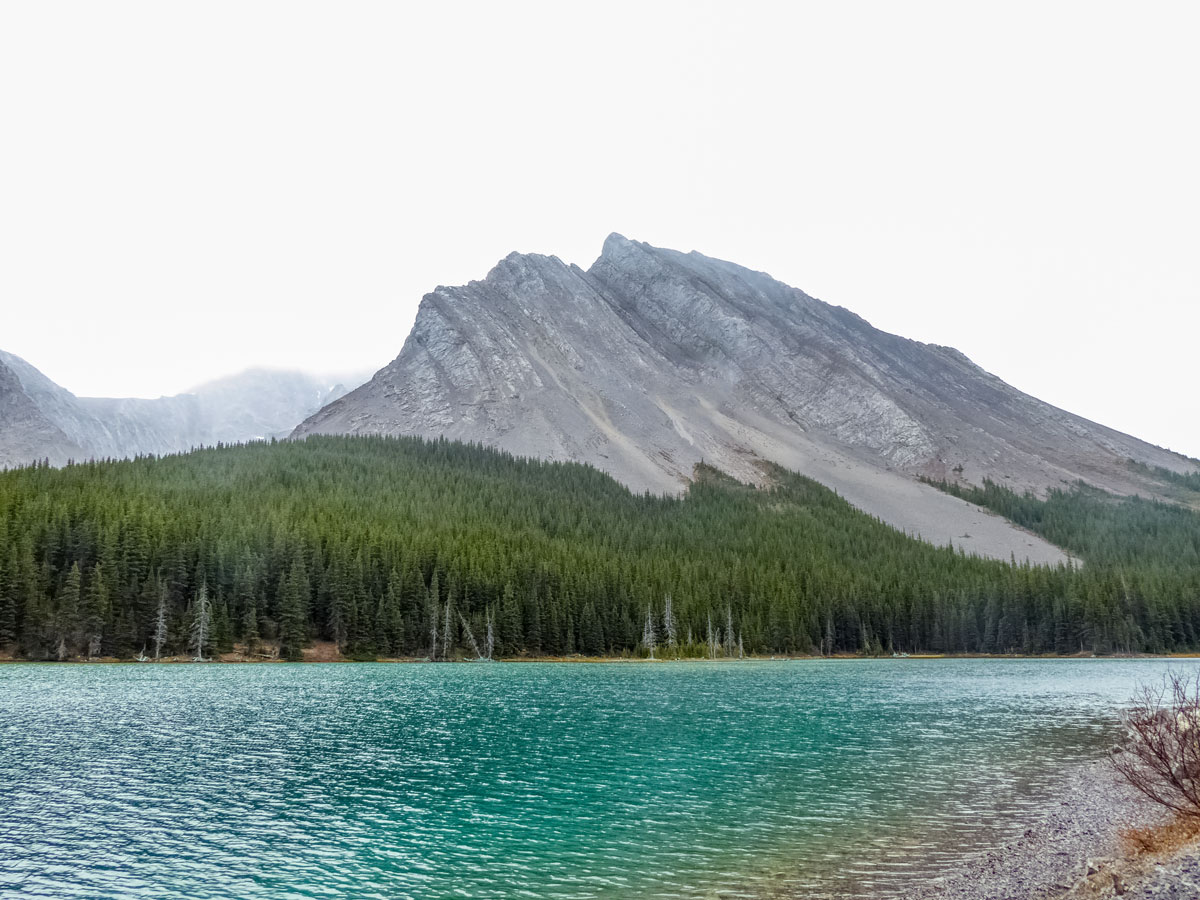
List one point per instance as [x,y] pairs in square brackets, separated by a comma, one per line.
[400,547]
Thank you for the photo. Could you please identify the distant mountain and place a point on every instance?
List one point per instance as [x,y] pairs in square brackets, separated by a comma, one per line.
[26,431]
[41,420]
[653,360]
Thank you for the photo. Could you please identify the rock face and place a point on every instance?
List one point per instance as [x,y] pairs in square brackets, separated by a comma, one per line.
[26,433]
[40,420]
[653,360]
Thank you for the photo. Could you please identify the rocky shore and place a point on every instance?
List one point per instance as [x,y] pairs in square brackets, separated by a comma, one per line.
[1081,849]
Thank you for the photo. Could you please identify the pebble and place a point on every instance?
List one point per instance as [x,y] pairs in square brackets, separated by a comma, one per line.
[1070,852]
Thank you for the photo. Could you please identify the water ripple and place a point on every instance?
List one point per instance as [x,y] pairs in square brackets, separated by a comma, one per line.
[573,782]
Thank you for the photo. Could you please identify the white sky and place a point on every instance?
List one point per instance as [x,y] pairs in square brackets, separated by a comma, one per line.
[190,189]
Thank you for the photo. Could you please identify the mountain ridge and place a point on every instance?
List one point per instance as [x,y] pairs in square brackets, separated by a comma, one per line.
[652,360]
[40,420]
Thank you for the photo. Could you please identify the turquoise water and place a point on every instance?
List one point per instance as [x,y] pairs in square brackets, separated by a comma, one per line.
[529,780]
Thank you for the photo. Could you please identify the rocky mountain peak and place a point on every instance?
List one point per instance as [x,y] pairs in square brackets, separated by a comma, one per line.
[616,247]
[652,360]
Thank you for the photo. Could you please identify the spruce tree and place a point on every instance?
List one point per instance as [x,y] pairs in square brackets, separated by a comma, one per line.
[293,612]
[96,611]
[222,627]
[509,624]
[250,635]
[533,623]
[591,632]
[389,617]
[434,606]
[8,598]
[66,614]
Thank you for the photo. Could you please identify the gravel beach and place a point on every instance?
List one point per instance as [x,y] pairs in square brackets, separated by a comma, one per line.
[1076,851]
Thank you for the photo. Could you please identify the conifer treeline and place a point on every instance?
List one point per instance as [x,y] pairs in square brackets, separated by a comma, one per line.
[377,543]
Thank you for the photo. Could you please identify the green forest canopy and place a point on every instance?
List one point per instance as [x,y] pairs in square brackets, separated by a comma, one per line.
[365,541]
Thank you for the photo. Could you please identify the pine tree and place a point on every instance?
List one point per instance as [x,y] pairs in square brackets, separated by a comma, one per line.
[362,635]
[435,608]
[222,628]
[66,613]
[244,603]
[509,625]
[8,601]
[293,612]
[250,634]
[533,624]
[341,604]
[447,636]
[95,610]
[389,617]
[591,632]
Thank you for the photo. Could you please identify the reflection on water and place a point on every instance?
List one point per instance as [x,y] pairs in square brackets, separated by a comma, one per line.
[531,780]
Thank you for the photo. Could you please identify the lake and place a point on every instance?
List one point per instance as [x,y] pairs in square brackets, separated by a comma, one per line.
[540,780]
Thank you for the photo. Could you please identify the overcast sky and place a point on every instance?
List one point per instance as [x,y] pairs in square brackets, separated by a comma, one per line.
[190,189]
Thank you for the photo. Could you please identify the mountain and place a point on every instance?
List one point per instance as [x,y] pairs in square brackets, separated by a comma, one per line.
[41,420]
[652,361]
[26,432]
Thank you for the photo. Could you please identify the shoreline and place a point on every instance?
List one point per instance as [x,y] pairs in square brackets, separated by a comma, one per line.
[324,653]
[1081,847]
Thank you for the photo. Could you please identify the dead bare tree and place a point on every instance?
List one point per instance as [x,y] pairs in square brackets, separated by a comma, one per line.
[466,627]
[201,622]
[669,626]
[648,636]
[1160,754]
[160,622]
[433,628]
